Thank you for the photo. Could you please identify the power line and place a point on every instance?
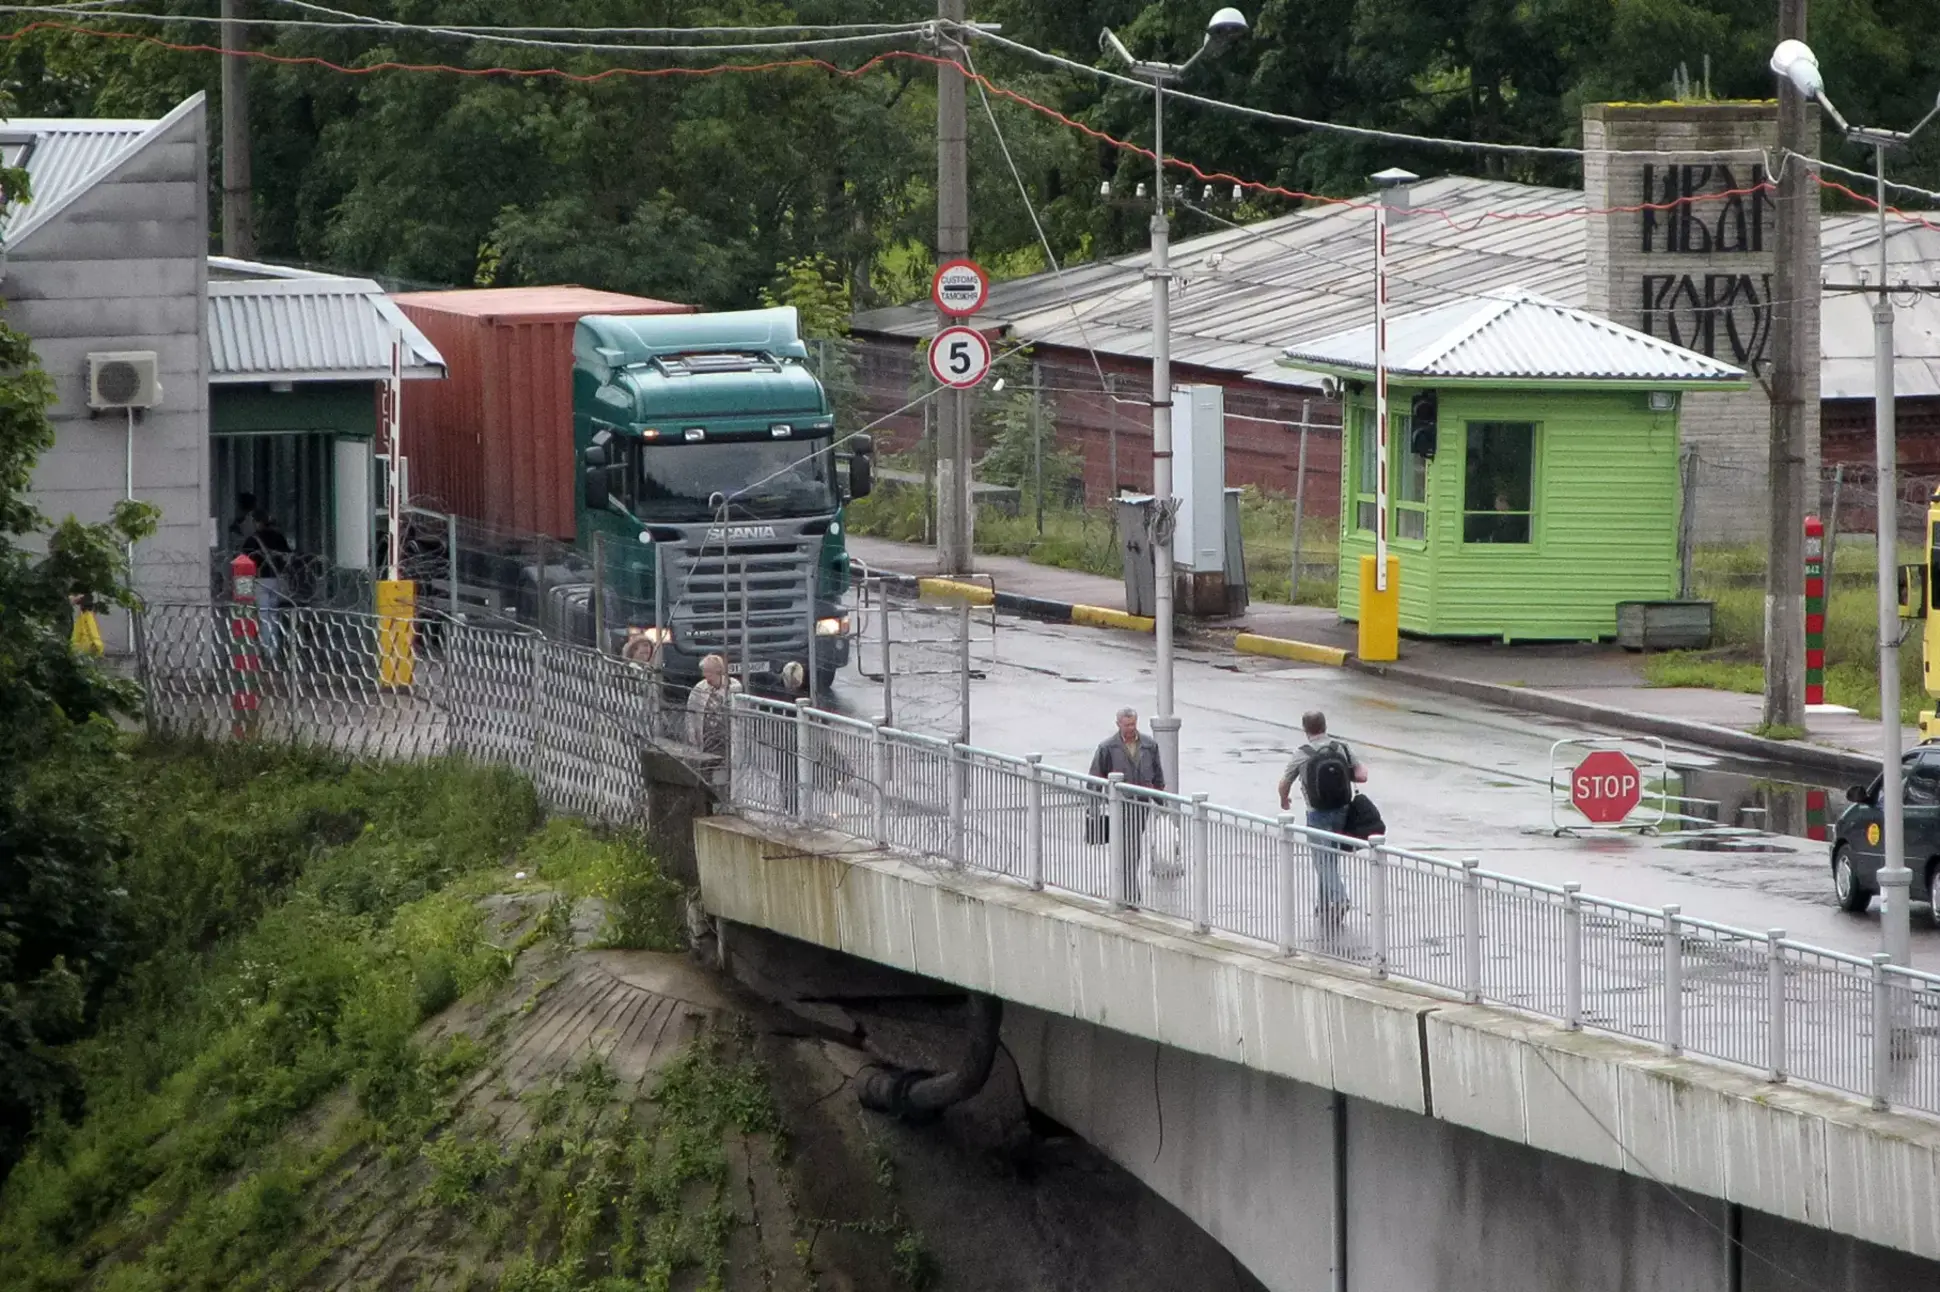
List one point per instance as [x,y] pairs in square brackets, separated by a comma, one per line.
[372,20]
[1310,123]
[1051,256]
[878,60]
[383,26]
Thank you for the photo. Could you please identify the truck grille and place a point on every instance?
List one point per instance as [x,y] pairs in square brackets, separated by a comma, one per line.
[762,586]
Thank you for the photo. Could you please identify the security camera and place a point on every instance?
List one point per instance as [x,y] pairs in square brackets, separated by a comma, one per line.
[1330,387]
[1227,24]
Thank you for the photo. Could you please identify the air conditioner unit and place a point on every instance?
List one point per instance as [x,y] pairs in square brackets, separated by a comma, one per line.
[124,379]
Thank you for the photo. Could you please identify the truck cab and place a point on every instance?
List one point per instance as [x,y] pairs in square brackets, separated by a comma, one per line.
[711,491]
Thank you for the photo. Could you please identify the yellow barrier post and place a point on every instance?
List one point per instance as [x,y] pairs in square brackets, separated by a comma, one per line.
[397,603]
[1380,626]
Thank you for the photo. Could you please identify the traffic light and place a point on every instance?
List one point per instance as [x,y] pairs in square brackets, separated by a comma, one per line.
[1421,425]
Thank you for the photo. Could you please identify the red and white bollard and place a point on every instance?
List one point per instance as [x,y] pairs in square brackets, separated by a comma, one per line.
[244,658]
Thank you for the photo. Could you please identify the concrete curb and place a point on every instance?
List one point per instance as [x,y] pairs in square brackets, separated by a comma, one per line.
[1839,764]
[1288,648]
[1016,603]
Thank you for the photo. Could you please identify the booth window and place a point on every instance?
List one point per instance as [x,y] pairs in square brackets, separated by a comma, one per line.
[1501,478]
[1366,470]
[1410,486]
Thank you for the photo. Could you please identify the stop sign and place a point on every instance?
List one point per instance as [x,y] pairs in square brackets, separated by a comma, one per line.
[1606,786]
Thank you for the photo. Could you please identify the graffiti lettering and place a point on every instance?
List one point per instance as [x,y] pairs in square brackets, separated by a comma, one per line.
[1732,225]
[1692,310]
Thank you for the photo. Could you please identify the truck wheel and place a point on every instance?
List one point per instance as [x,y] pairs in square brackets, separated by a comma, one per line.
[825,677]
[1845,885]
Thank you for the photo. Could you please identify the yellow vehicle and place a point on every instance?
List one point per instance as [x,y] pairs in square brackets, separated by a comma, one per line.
[1916,597]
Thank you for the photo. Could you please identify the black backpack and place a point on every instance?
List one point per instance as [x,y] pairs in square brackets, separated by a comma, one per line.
[1327,779]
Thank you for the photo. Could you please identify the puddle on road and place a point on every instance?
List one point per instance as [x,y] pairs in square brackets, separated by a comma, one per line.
[1767,802]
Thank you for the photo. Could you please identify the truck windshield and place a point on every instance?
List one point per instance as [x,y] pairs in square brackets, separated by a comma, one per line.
[769,478]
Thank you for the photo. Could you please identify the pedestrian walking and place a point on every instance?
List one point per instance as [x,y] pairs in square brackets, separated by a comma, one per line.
[794,690]
[1327,773]
[707,707]
[267,546]
[1130,753]
[641,649]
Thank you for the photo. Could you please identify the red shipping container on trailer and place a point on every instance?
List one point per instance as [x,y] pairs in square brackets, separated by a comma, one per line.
[494,441]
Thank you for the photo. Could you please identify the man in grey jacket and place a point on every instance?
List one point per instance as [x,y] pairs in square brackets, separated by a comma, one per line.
[1135,756]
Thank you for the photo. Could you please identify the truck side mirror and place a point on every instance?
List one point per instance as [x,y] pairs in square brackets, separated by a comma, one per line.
[1858,794]
[595,489]
[862,467]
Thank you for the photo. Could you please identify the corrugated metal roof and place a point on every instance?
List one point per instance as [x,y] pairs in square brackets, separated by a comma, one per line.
[63,156]
[313,328]
[1240,294]
[1513,334]
[1850,254]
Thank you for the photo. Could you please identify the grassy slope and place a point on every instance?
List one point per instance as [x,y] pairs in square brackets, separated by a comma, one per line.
[301,918]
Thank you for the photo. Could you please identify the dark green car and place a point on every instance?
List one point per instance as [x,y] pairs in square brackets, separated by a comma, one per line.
[1858,849]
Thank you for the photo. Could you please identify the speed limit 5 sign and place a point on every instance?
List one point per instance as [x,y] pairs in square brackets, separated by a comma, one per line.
[960,357]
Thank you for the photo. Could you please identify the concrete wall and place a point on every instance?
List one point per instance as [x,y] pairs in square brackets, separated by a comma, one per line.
[124,266]
[1241,1019]
[1700,274]
[1427,1204]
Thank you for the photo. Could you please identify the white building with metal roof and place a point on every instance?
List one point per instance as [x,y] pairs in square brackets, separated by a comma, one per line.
[266,377]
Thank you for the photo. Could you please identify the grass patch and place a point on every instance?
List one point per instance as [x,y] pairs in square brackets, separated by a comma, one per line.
[294,918]
[1733,578]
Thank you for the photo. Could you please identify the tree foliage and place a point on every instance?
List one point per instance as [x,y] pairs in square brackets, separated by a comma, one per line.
[697,187]
[60,838]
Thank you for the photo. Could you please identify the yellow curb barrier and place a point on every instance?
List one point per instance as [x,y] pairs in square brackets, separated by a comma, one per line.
[1286,648]
[1100,617]
[956,590]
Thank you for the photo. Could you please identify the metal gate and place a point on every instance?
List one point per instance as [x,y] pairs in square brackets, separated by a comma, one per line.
[921,643]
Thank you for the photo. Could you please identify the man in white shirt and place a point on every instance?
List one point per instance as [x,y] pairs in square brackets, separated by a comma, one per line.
[707,707]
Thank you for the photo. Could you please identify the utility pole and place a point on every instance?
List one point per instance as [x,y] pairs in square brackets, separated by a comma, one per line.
[1792,281]
[952,242]
[238,224]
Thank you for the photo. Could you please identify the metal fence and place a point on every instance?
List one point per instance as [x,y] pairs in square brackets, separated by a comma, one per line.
[574,720]
[1757,1000]
[578,722]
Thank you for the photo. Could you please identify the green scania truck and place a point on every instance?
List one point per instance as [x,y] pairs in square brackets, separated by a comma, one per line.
[711,491]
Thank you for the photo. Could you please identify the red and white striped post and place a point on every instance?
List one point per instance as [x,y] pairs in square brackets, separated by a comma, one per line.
[244,659]
[1815,595]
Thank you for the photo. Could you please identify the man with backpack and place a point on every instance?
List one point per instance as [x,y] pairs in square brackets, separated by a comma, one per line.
[1327,773]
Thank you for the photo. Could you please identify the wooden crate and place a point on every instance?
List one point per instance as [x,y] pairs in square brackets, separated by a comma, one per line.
[1665,625]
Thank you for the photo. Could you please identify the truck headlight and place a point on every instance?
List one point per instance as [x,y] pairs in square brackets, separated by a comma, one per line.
[835,627]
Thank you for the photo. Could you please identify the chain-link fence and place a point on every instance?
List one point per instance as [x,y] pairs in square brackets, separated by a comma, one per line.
[574,720]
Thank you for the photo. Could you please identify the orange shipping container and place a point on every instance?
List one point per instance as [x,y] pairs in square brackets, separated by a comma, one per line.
[494,440]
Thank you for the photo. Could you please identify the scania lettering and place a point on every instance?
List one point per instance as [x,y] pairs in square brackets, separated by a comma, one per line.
[708,459]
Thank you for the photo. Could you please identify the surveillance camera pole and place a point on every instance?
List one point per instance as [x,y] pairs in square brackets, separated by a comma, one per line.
[1165,723]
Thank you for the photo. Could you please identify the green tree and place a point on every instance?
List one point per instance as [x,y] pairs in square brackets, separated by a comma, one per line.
[60,836]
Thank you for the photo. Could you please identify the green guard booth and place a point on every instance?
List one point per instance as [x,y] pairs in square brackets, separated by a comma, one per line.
[1532,464]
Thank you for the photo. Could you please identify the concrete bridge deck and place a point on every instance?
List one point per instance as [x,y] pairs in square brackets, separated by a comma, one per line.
[1335,1131]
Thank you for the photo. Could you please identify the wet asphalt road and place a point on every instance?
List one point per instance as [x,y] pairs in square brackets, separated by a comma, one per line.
[1452,777]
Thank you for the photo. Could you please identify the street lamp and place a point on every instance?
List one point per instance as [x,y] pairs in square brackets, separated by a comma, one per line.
[1226,26]
[1795,61]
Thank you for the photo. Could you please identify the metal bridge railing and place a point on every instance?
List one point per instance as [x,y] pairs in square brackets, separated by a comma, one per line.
[578,722]
[1756,1000]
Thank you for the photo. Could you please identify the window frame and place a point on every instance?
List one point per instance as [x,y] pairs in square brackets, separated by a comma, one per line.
[1365,466]
[1463,514]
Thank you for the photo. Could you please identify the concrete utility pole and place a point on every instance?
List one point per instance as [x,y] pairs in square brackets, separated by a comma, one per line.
[238,225]
[1792,283]
[953,520]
